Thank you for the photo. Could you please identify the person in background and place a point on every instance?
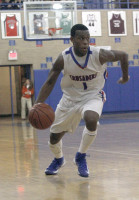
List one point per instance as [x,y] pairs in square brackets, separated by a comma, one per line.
[6,4]
[18,4]
[26,99]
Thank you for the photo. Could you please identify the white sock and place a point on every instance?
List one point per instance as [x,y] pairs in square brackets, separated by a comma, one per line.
[87,139]
[56,149]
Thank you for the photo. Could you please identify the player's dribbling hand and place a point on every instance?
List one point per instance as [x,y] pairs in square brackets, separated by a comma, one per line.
[122,81]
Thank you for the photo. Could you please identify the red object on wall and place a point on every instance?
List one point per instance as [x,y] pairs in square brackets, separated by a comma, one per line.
[11,26]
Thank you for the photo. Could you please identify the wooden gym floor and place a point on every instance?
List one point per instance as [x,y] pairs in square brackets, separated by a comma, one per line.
[113,161]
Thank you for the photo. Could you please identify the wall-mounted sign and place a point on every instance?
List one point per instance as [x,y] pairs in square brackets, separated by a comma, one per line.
[12,55]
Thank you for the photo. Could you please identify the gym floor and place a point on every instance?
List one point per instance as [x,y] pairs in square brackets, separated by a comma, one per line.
[113,161]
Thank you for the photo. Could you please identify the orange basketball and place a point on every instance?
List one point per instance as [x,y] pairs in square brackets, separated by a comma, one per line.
[41,116]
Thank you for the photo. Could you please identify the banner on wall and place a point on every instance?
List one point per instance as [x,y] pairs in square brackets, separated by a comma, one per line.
[117,23]
[92,20]
[136,22]
[11,25]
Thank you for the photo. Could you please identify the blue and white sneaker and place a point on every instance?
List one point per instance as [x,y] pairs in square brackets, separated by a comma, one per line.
[80,161]
[56,164]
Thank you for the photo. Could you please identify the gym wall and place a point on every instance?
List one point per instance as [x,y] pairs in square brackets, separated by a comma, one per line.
[29,53]
[42,58]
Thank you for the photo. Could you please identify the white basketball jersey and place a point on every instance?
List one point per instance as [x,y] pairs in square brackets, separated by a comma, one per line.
[83,77]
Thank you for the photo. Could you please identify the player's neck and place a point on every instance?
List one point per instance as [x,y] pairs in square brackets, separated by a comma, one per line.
[77,54]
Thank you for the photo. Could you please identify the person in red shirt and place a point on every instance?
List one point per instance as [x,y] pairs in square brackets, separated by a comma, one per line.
[26,100]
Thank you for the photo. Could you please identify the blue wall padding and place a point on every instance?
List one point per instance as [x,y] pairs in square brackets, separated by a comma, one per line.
[120,97]
[112,89]
[135,89]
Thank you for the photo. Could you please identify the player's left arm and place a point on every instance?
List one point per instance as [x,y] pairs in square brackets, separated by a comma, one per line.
[113,56]
[49,84]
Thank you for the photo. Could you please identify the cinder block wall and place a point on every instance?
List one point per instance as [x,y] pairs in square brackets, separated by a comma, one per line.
[28,53]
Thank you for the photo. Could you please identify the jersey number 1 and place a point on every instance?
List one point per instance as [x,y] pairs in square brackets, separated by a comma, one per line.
[85,85]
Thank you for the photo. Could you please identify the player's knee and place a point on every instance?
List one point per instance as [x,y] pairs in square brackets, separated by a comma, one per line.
[54,138]
[91,118]
[91,125]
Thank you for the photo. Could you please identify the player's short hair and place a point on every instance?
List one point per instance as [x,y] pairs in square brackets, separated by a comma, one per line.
[77,27]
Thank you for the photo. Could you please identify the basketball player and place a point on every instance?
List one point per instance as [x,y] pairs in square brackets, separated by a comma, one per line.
[82,83]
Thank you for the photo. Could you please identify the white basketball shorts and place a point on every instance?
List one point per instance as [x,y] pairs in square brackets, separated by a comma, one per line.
[68,114]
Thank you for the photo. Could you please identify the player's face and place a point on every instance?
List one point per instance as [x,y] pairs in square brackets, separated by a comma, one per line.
[81,42]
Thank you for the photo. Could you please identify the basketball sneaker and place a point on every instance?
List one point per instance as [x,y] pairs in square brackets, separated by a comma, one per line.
[56,164]
[80,161]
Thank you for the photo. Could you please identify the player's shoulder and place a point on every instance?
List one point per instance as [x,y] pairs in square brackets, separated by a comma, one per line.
[94,51]
[66,51]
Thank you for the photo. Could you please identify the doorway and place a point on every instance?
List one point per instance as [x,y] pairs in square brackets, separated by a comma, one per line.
[12,79]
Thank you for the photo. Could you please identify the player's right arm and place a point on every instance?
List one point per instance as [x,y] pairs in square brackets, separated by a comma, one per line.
[113,56]
[51,80]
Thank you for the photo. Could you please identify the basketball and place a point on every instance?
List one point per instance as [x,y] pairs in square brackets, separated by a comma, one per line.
[41,116]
